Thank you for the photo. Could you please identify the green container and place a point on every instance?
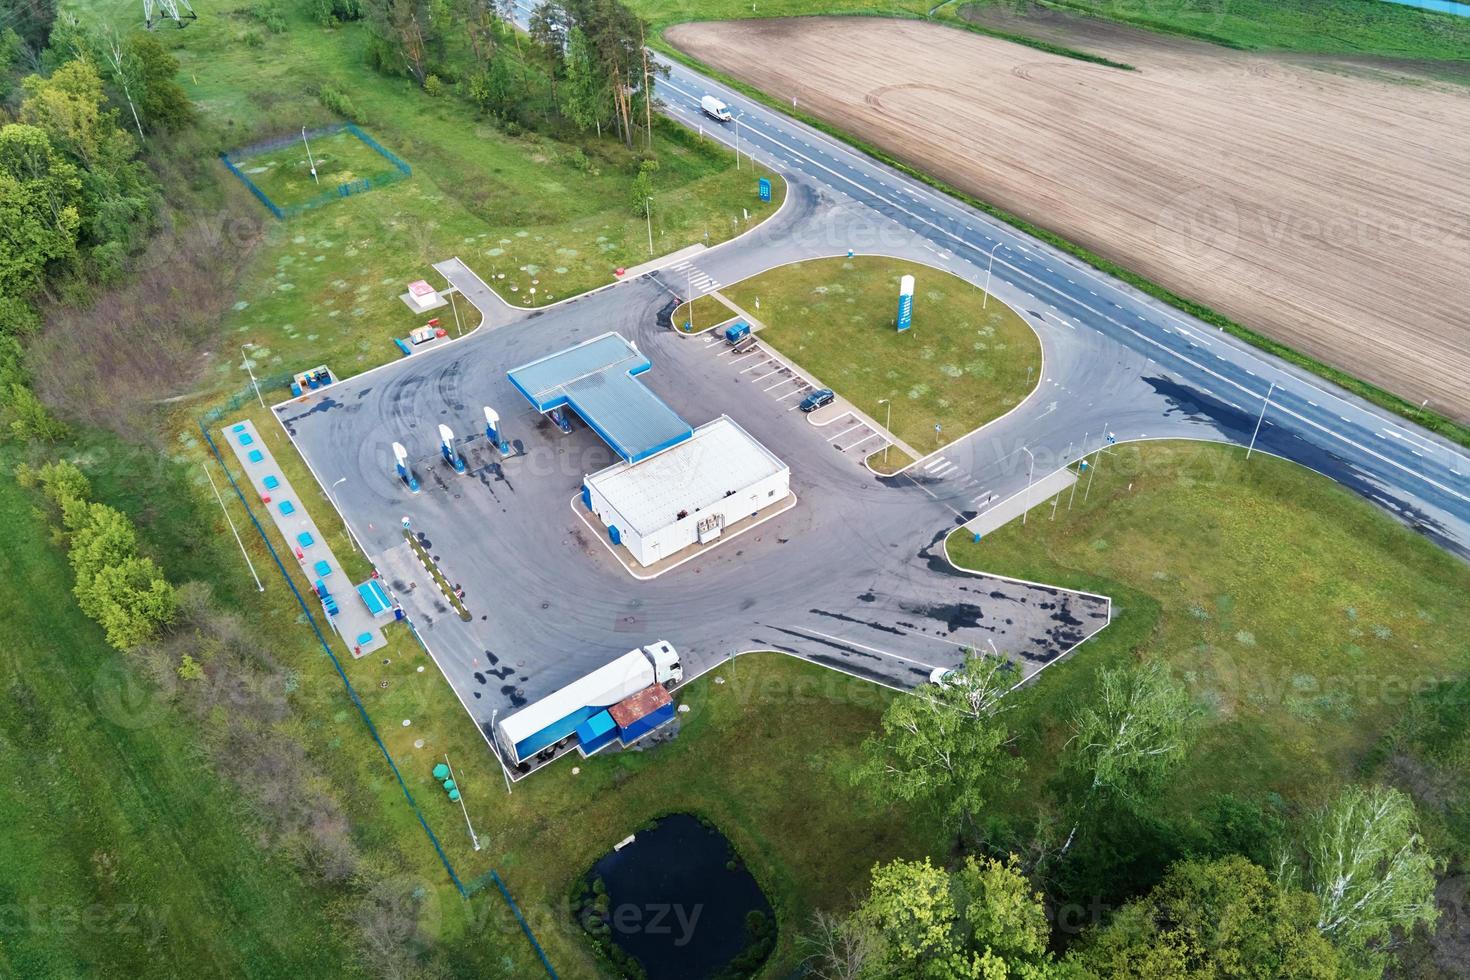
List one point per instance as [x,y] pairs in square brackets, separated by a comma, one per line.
[449,785]
[441,771]
[454,795]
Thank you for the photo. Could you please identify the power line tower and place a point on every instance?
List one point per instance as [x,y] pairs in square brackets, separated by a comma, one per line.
[170,9]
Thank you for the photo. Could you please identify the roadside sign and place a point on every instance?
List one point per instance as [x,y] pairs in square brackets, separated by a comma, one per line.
[406,524]
[764,186]
[905,303]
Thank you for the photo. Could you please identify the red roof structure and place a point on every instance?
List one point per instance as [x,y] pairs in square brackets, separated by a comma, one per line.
[640,705]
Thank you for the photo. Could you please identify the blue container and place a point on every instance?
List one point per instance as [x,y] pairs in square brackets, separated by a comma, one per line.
[646,724]
[737,332]
[596,732]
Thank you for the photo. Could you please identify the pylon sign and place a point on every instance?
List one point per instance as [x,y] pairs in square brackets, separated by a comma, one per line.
[905,303]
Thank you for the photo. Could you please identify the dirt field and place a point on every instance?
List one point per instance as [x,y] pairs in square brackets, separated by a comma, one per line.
[1326,205]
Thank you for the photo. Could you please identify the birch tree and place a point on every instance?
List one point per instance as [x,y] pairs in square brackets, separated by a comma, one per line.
[1125,743]
[1363,858]
[944,745]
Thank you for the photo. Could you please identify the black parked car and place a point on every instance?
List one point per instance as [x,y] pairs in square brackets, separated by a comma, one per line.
[818,398]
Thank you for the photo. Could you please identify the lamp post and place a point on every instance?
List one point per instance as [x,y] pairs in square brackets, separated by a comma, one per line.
[887,428]
[1029,474]
[648,216]
[458,327]
[474,839]
[1264,405]
[253,383]
[350,536]
[985,298]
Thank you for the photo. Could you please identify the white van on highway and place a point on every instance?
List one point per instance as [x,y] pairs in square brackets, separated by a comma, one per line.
[715,109]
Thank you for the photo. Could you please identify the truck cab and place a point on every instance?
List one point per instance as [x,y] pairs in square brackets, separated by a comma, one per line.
[667,670]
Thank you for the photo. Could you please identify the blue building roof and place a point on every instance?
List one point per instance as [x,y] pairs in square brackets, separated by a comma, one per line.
[597,380]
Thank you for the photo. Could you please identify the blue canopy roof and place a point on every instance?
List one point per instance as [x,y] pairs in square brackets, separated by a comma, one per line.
[596,379]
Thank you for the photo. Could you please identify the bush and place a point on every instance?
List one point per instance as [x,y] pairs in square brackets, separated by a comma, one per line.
[336,101]
[269,13]
[433,87]
[17,317]
[330,13]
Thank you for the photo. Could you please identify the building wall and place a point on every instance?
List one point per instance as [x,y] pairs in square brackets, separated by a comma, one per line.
[678,535]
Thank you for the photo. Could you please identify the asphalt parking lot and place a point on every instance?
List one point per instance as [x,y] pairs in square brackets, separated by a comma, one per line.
[853,577]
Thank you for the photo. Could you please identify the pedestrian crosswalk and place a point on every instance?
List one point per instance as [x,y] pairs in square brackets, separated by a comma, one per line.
[699,281]
[941,468]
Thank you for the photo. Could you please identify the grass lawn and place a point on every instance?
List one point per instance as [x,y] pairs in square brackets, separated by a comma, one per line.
[1302,618]
[707,312]
[124,854]
[540,212]
[284,175]
[959,366]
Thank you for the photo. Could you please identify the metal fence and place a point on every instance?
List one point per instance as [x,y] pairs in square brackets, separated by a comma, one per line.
[400,170]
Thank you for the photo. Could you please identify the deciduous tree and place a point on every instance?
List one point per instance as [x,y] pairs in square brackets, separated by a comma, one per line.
[1363,857]
[944,745]
[1212,920]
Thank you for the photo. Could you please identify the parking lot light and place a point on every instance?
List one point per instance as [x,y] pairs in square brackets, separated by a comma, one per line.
[887,428]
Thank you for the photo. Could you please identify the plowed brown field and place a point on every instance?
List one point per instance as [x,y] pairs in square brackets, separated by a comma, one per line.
[1329,209]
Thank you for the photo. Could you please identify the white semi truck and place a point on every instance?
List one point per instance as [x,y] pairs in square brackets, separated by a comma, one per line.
[552,722]
[715,109]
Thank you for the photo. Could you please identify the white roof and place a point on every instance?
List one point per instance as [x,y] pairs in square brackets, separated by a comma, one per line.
[699,472]
[605,686]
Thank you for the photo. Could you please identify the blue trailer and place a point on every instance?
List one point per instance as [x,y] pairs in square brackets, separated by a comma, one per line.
[736,332]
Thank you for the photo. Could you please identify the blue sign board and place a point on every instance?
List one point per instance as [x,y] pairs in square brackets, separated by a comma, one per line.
[765,189]
[905,312]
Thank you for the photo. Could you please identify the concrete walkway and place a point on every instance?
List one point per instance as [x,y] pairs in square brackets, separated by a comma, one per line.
[353,622]
[494,311]
[1002,512]
[653,265]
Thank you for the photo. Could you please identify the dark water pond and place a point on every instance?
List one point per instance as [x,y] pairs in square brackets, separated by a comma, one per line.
[679,901]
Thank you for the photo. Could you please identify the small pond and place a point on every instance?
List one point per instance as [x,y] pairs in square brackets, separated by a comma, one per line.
[680,902]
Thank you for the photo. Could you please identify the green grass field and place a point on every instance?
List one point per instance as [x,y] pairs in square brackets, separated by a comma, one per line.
[959,366]
[284,175]
[549,214]
[1303,619]
[125,855]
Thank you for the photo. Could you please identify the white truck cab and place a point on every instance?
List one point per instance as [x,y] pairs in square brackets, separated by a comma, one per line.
[715,109]
[665,659]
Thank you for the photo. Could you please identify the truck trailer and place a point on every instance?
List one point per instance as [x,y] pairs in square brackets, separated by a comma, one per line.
[550,723]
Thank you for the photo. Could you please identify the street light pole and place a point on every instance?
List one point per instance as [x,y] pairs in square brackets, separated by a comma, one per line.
[458,327]
[648,216]
[251,371]
[498,758]
[473,838]
[737,142]
[350,536]
[250,564]
[887,428]
[309,157]
[985,298]
[1264,405]
[1029,474]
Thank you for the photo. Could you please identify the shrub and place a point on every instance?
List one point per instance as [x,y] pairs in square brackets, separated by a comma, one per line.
[17,317]
[334,100]
[433,87]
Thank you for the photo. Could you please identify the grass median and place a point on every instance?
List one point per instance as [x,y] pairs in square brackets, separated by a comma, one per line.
[963,362]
